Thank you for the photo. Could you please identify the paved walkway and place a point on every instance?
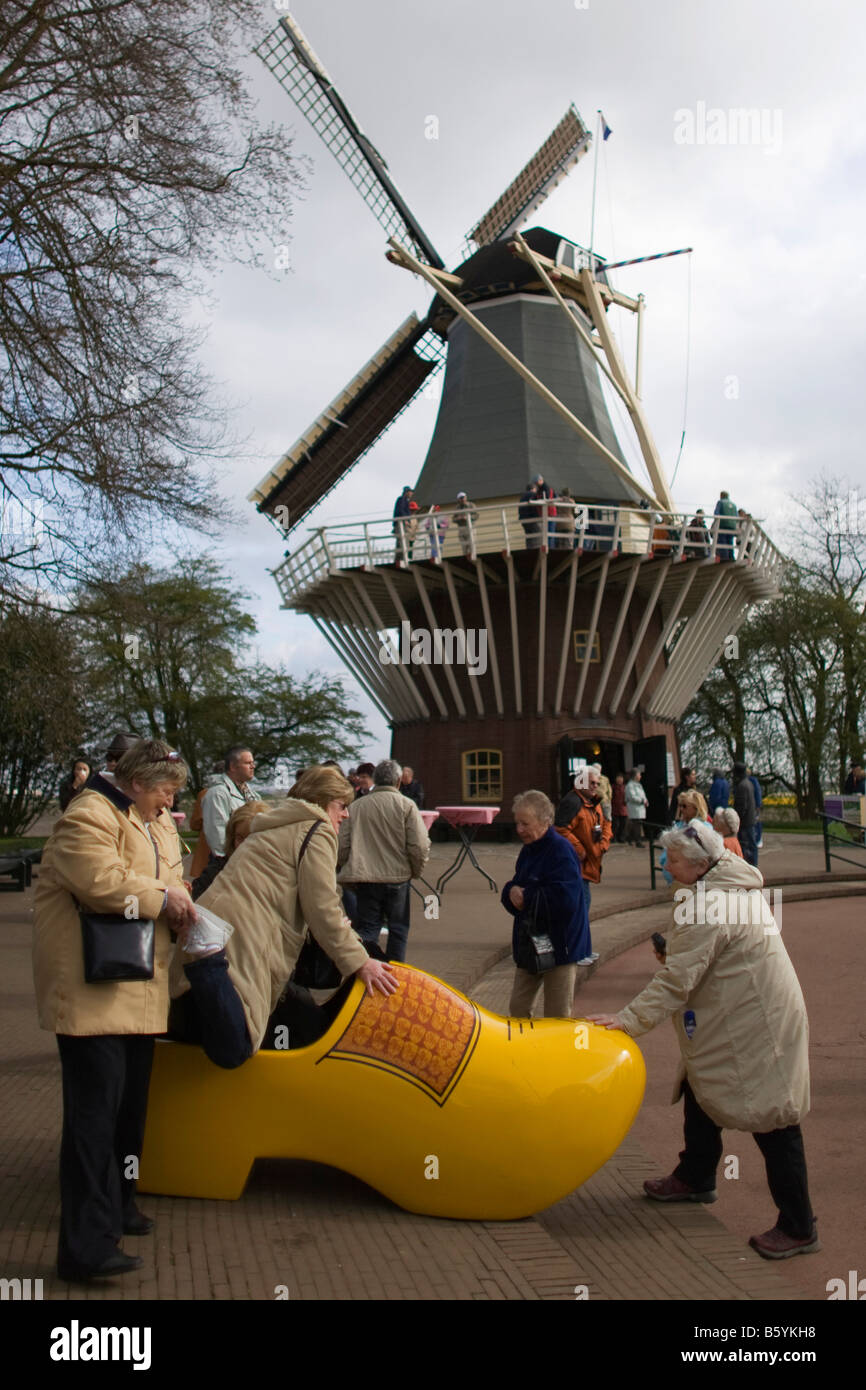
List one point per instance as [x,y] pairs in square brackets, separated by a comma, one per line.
[317,1233]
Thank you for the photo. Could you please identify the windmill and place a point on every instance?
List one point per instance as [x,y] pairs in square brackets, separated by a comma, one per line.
[601,619]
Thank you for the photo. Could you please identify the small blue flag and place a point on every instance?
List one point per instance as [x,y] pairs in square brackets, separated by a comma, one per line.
[605,128]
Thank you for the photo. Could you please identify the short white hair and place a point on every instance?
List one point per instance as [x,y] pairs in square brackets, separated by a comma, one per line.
[696,844]
[387,773]
[729,818]
[536,804]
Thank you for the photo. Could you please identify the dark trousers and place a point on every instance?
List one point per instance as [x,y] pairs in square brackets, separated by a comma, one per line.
[784,1159]
[384,904]
[635,831]
[746,837]
[620,826]
[105,1085]
[213,1014]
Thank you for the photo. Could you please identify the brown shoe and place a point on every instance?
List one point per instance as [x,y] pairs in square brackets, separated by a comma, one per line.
[776,1245]
[672,1190]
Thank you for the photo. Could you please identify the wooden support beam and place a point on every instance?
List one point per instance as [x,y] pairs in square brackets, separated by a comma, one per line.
[590,636]
[635,409]
[639,635]
[567,634]
[431,618]
[404,618]
[458,618]
[615,636]
[515,642]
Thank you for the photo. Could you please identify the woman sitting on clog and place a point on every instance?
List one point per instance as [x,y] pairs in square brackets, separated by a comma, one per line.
[546,897]
[279,882]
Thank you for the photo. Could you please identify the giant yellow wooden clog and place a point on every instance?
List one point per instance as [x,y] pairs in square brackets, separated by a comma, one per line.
[443,1107]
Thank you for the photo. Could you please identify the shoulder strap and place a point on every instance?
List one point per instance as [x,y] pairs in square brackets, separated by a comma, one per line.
[307,838]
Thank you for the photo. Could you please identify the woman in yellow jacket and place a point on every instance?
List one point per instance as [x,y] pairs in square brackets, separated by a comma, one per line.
[114,851]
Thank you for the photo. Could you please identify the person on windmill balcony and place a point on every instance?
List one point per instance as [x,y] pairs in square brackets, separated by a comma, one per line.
[726,511]
[436,525]
[402,512]
[466,515]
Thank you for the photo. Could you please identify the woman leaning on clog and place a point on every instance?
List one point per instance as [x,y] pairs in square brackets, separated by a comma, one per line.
[281,880]
[729,986]
[117,843]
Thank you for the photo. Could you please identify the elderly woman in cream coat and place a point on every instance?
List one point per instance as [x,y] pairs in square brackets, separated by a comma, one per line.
[278,883]
[730,987]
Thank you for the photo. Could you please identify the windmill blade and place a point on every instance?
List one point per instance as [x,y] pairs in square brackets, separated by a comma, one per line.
[294,64]
[351,424]
[548,166]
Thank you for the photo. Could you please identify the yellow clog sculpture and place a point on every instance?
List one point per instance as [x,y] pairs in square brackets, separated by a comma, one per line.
[443,1107]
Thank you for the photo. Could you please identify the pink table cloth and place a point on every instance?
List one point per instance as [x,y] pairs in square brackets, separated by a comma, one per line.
[178,817]
[468,815]
[428,818]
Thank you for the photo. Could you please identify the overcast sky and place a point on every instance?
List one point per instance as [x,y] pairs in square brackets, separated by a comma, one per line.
[776,284]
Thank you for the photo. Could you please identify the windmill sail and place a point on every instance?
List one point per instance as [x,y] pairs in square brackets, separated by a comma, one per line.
[351,424]
[294,64]
[548,166]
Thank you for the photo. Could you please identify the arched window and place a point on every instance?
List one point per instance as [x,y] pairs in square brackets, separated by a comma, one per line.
[482,775]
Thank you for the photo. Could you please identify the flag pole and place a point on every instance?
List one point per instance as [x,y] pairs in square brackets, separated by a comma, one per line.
[594,181]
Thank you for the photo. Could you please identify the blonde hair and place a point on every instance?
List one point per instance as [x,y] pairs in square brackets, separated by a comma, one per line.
[534,804]
[694,798]
[238,819]
[321,786]
[149,762]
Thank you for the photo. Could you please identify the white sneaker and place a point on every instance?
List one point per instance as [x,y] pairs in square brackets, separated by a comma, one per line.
[590,959]
[207,935]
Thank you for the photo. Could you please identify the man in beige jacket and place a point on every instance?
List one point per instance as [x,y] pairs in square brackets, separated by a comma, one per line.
[383,845]
[729,986]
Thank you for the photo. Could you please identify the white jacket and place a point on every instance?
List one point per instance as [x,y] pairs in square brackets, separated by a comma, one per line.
[745,1045]
[636,799]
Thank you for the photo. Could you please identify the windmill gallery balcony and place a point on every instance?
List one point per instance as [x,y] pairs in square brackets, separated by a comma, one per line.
[596,610]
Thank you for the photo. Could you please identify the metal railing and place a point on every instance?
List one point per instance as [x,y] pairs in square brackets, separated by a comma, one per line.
[543,525]
[831,839]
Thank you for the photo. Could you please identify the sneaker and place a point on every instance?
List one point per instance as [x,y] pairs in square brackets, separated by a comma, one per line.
[207,935]
[673,1190]
[776,1245]
[590,959]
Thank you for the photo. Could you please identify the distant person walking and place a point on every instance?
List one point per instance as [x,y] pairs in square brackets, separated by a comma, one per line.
[719,793]
[74,782]
[759,807]
[619,808]
[744,805]
[637,801]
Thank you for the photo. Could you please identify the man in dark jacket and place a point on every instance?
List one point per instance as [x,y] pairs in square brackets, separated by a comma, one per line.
[411,787]
[744,805]
[855,782]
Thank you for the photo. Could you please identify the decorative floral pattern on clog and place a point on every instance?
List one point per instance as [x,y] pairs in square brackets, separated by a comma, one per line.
[424,1033]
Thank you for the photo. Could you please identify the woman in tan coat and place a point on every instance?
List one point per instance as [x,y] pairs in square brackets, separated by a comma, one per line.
[114,851]
[278,883]
[730,987]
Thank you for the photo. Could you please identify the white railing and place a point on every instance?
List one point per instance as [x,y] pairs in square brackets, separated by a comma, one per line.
[556,526]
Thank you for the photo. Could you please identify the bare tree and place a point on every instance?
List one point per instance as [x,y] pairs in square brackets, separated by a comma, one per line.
[130,160]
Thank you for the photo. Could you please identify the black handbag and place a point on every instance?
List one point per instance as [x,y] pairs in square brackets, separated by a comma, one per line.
[314,968]
[535,952]
[116,947]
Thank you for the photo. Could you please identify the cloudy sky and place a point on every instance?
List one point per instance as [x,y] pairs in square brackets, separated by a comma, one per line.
[775,292]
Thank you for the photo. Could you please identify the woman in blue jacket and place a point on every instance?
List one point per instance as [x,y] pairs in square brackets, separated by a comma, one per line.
[546,893]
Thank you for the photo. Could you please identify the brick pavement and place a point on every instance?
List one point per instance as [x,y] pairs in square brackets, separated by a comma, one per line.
[320,1234]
